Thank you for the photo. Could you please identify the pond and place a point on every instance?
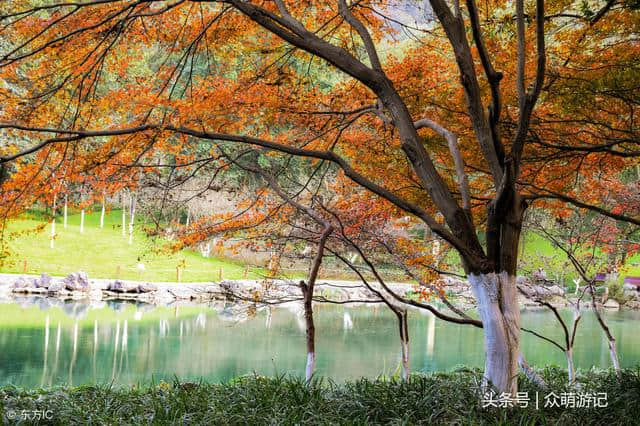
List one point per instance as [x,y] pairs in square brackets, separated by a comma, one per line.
[47,342]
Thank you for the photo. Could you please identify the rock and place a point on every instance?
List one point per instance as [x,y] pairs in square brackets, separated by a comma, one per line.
[612,304]
[147,288]
[128,296]
[145,297]
[632,304]
[95,295]
[44,281]
[556,290]
[558,301]
[62,293]
[78,294]
[77,281]
[630,287]
[181,293]
[123,287]
[163,297]
[231,287]
[35,290]
[5,289]
[522,280]
[56,287]
[21,282]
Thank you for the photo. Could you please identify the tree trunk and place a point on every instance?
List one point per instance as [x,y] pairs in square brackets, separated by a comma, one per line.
[570,366]
[53,223]
[500,315]
[65,211]
[124,216]
[82,221]
[132,215]
[404,342]
[307,292]
[102,214]
[431,335]
[613,353]
[53,232]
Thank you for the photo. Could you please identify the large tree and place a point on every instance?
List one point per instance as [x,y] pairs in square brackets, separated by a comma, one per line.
[472,114]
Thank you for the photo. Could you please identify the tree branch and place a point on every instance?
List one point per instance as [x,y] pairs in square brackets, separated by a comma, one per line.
[452,141]
[348,16]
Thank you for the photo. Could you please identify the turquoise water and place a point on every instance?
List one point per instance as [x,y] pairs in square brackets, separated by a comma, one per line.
[123,343]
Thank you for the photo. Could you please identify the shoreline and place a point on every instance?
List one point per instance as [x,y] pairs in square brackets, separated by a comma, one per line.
[78,286]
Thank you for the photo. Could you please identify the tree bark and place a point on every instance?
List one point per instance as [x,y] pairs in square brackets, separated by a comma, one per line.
[124,216]
[613,353]
[102,214]
[132,215]
[307,292]
[53,223]
[404,341]
[65,211]
[500,315]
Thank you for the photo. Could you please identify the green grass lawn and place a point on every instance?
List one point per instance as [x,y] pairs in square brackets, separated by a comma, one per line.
[539,252]
[105,253]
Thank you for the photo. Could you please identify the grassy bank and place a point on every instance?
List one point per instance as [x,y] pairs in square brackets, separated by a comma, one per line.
[105,253]
[451,398]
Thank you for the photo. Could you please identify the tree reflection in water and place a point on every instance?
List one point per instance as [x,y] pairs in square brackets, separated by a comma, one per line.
[47,342]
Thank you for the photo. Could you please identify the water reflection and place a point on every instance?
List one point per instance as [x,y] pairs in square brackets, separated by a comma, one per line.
[49,342]
[347,322]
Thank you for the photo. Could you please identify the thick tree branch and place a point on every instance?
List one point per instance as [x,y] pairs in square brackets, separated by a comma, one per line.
[454,149]
[369,46]
[528,99]
[493,77]
[454,29]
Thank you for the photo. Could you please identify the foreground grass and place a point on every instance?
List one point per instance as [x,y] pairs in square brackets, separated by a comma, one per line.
[451,398]
[105,253]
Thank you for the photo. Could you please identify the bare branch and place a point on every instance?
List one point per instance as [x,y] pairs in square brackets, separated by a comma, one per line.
[452,141]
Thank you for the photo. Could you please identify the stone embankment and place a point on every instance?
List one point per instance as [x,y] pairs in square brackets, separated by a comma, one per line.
[531,293]
[78,286]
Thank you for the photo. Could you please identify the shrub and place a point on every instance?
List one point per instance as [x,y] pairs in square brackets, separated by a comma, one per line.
[439,398]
